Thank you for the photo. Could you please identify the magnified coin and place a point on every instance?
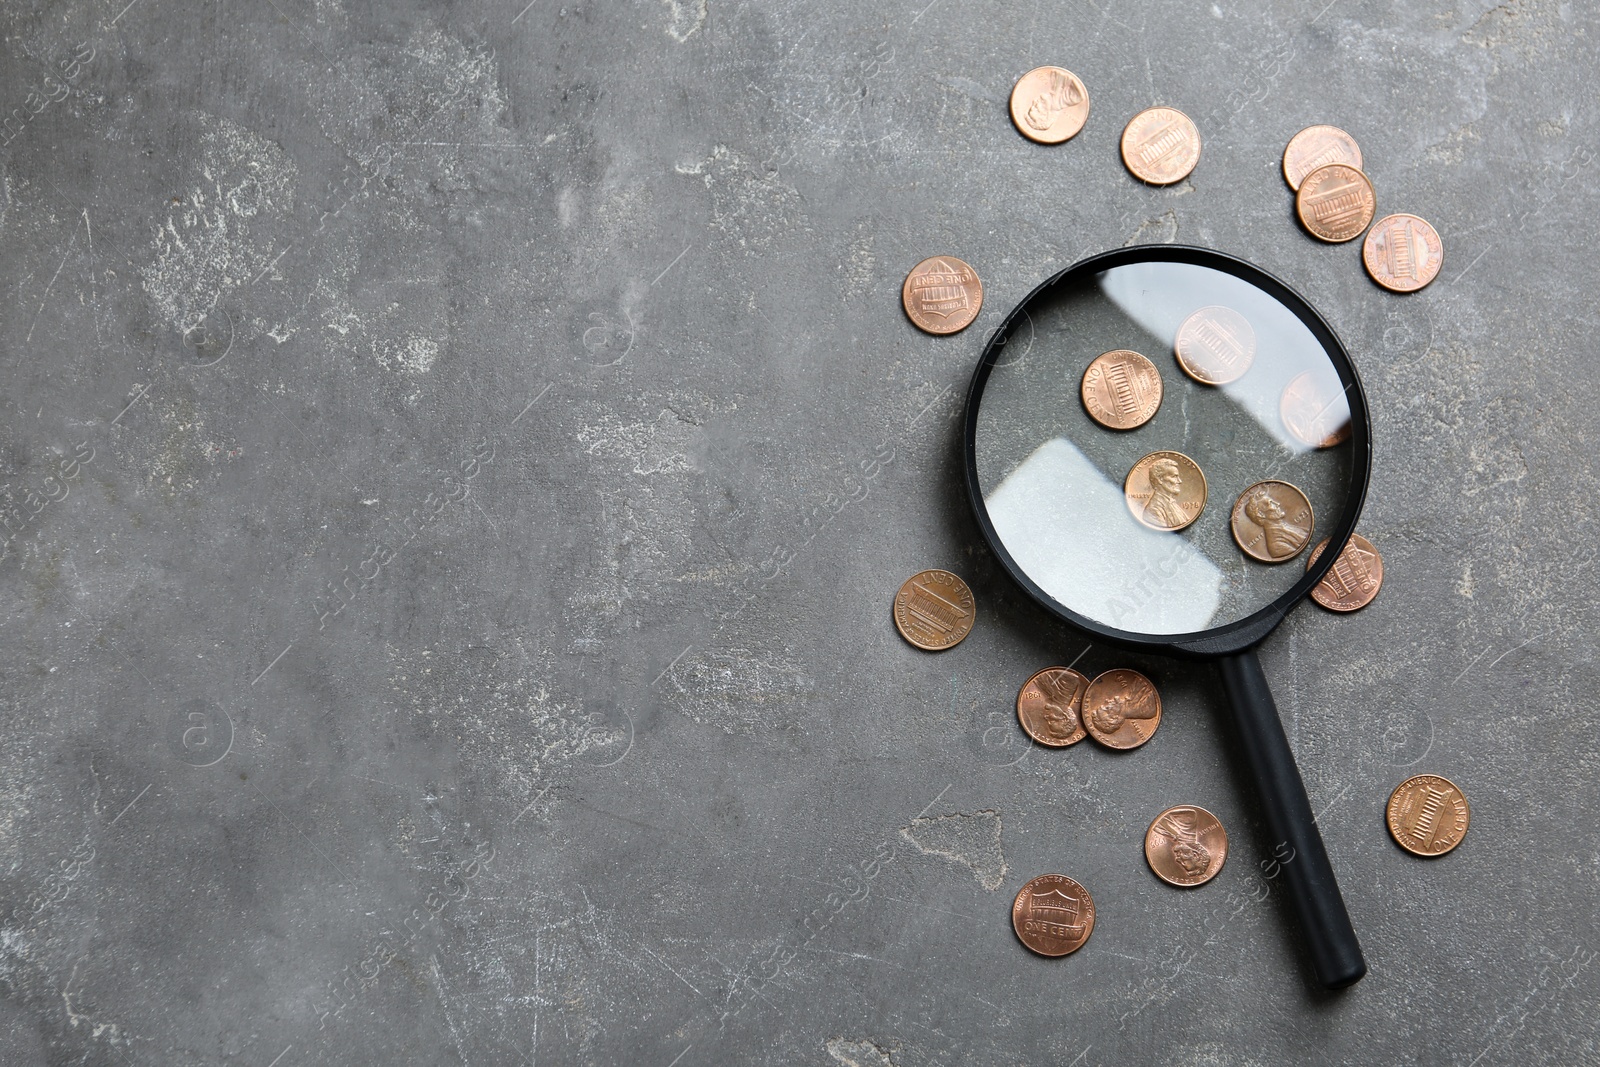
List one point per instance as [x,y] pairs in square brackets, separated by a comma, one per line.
[1186,846]
[1121,390]
[1049,105]
[942,295]
[1335,203]
[1353,580]
[1160,145]
[1121,709]
[1314,409]
[1215,345]
[1165,490]
[1272,521]
[1053,915]
[1317,146]
[1402,253]
[934,610]
[1048,706]
[1428,815]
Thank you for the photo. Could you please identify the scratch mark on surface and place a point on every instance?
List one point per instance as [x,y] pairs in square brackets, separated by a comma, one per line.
[671,665]
[524,11]
[274,663]
[674,263]
[1508,651]
[1471,665]
[131,803]
[1313,22]
[44,299]
[139,394]
[931,403]
[532,402]
[121,13]
[280,1056]
[274,263]
[674,973]
[921,13]
[680,1056]
[532,802]
[1474,263]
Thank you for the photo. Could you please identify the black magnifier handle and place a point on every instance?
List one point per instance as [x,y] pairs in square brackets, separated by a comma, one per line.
[1297,850]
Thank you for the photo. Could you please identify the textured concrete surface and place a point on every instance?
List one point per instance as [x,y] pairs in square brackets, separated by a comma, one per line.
[458,458]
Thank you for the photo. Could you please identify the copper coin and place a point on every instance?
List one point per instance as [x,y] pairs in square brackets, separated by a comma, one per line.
[1165,490]
[934,610]
[1048,706]
[1121,709]
[1186,846]
[1049,105]
[1160,145]
[1272,521]
[1317,146]
[1428,815]
[1215,345]
[942,295]
[1053,915]
[1353,580]
[1335,203]
[1314,410]
[1121,390]
[1402,253]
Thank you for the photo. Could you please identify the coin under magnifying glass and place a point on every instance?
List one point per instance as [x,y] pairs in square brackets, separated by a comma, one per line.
[1402,253]
[1048,706]
[942,295]
[1215,345]
[1160,145]
[1165,490]
[1053,915]
[1049,105]
[1272,521]
[1317,146]
[1121,390]
[1335,203]
[1428,815]
[1353,580]
[1186,846]
[1121,709]
[1314,410]
[934,610]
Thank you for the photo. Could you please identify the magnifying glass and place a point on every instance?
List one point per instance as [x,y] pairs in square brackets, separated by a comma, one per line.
[1156,438]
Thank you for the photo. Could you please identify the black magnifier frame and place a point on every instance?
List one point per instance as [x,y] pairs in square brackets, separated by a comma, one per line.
[1311,888]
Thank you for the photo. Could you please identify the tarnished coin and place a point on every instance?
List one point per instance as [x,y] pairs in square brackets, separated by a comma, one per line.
[934,610]
[1335,203]
[1314,410]
[1048,706]
[942,295]
[1186,846]
[1428,815]
[1215,345]
[1049,105]
[1402,253]
[1121,390]
[1160,145]
[1053,915]
[1121,709]
[1165,490]
[1317,146]
[1353,580]
[1272,521]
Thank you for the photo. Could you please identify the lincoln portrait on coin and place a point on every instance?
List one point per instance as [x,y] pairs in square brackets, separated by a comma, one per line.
[1282,538]
[1166,482]
[1192,856]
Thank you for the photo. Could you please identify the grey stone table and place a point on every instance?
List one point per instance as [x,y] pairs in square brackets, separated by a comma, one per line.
[458,458]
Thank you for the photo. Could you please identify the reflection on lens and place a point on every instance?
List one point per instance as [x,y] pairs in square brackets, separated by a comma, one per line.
[1215,346]
[1314,409]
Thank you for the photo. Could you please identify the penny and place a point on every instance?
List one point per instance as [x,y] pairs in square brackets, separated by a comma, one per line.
[1121,709]
[1314,410]
[1428,815]
[1053,915]
[1049,105]
[1335,203]
[934,610]
[1272,521]
[1317,146]
[1402,253]
[1048,706]
[1186,846]
[1160,145]
[942,295]
[1215,345]
[1121,390]
[1165,491]
[1353,580]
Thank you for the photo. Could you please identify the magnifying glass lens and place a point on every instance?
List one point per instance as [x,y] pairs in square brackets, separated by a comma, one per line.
[1159,445]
